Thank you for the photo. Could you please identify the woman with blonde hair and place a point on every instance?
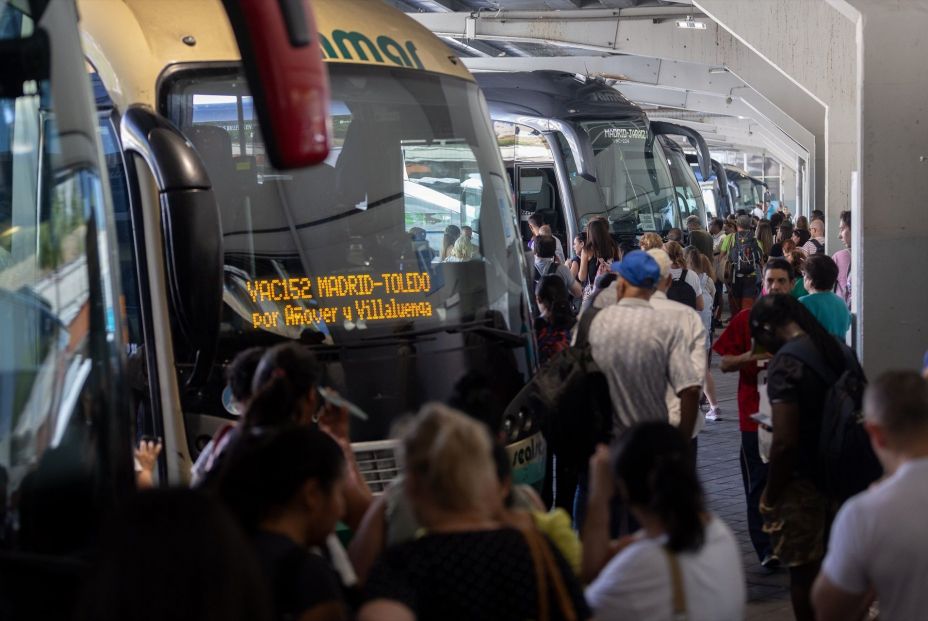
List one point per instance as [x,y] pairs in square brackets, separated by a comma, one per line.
[463,250]
[650,241]
[452,484]
[700,265]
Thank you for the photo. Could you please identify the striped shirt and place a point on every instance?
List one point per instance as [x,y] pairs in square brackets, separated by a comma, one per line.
[641,352]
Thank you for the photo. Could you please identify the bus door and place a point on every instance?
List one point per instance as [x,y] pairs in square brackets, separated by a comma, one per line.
[530,162]
[65,455]
[538,194]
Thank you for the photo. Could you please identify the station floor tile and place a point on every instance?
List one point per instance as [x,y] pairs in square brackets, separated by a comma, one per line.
[719,447]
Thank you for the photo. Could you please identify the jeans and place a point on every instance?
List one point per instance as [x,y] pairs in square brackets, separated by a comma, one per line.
[754,476]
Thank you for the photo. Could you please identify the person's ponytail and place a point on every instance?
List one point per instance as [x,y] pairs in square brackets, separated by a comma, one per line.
[562,315]
[676,497]
[273,403]
[655,465]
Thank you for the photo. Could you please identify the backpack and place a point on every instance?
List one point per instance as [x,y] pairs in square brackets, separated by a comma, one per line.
[569,397]
[745,256]
[819,246]
[682,292]
[847,464]
[551,270]
[551,340]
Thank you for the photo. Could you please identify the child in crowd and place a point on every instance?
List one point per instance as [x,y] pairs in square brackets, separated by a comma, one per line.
[552,328]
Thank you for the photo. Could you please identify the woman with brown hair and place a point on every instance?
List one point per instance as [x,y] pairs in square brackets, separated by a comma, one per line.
[797,258]
[801,236]
[598,255]
[679,271]
[764,235]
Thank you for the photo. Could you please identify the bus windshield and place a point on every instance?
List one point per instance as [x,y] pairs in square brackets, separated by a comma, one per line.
[749,194]
[410,209]
[406,229]
[633,188]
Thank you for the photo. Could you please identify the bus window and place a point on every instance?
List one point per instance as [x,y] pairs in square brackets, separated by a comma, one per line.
[441,180]
[58,322]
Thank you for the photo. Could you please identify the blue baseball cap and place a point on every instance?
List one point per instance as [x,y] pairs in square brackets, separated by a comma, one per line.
[639,269]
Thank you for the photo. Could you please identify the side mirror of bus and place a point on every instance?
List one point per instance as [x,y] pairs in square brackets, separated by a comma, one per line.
[282,59]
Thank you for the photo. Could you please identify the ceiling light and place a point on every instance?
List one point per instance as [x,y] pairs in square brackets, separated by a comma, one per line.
[717,70]
[691,24]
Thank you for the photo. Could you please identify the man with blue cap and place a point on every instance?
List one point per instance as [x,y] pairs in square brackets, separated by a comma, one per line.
[642,352]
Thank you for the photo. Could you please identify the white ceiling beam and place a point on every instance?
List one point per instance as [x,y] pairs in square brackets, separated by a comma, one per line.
[654,38]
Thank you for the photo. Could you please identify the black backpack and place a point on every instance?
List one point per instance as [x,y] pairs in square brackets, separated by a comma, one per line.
[819,246]
[682,292]
[745,255]
[847,464]
[569,396]
[551,269]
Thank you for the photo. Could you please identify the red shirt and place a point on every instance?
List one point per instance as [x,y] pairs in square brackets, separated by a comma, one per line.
[734,341]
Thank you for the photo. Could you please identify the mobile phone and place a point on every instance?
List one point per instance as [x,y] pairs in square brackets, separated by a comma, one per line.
[331,397]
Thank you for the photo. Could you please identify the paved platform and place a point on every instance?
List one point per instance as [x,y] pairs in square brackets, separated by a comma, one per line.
[719,446]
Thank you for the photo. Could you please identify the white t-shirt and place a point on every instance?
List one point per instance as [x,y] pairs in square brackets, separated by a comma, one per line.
[879,539]
[692,279]
[559,251]
[543,265]
[636,584]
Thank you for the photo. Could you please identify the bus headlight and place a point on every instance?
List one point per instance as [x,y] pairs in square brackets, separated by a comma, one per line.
[518,425]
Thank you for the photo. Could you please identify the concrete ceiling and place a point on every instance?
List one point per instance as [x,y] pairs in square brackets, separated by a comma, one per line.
[527,5]
[501,49]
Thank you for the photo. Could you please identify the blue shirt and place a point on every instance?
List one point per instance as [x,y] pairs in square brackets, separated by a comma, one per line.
[831,312]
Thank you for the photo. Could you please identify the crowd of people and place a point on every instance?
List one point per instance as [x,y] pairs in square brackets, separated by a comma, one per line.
[632,538]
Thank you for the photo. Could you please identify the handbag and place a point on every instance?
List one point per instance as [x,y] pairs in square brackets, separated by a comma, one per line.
[676,584]
[546,569]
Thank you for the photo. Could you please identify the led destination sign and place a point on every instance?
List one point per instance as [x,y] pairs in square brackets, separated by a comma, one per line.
[352,298]
[625,135]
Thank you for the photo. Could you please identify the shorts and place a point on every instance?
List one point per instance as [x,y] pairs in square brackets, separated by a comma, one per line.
[744,287]
[799,524]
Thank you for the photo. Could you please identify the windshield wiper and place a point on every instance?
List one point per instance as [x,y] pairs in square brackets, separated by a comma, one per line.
[479,327]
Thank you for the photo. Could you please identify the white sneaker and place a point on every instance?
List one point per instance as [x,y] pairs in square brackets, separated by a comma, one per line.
[714,414]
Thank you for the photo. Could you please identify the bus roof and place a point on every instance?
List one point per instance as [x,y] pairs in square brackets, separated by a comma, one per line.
[131,42]
[555,95]
[734,173]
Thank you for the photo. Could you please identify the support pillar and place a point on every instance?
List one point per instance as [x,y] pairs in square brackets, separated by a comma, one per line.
[890,226]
